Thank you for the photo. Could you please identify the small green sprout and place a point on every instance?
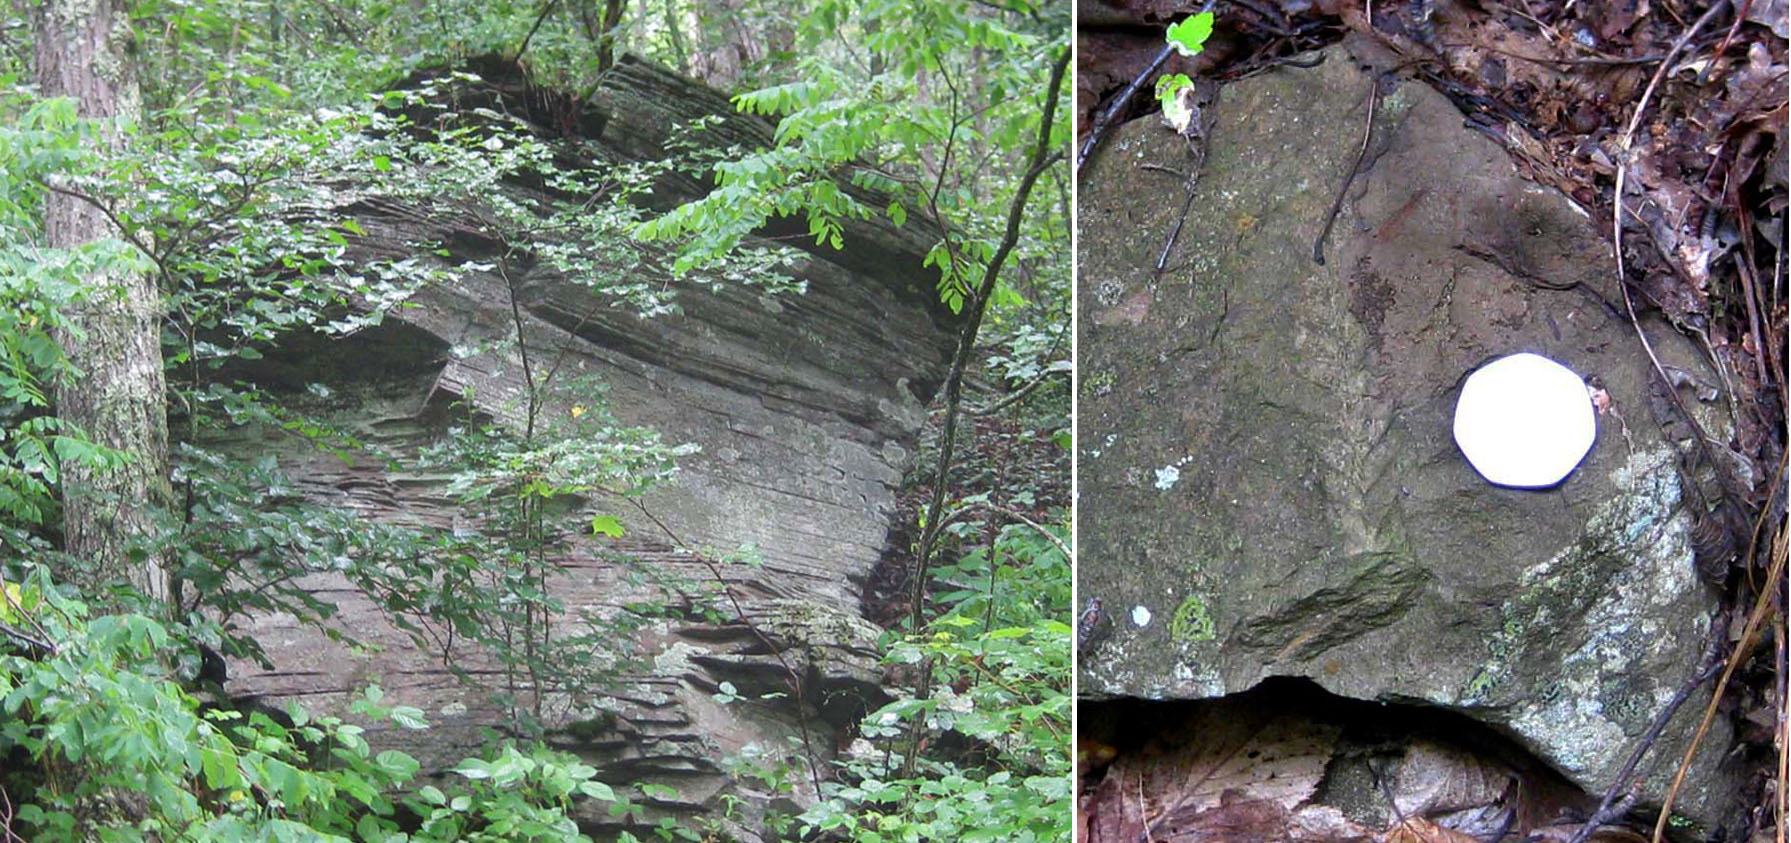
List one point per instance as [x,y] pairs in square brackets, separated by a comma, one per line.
[1188,38]
[1177,109]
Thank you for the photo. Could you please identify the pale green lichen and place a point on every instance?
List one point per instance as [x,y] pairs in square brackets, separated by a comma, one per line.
[1192,623]
[1574,586]
[1100,383]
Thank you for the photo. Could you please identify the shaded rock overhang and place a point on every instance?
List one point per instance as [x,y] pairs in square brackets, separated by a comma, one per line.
[806,408]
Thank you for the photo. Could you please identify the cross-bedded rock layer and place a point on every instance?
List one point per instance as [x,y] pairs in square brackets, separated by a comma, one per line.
[806,408]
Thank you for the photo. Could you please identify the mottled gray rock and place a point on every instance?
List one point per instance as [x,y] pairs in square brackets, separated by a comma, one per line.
[806,409]
[1267,465]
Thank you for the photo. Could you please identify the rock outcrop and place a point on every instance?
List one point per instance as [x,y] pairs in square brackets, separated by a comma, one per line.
[1269,486]
[806,409]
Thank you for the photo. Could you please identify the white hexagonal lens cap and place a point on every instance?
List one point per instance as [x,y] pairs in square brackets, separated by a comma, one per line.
[1524,421]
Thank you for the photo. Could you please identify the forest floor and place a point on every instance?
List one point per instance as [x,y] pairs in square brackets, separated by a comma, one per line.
[1010,452]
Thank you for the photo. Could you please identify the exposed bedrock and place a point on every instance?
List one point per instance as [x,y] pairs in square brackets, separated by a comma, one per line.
[1269,486]
[806,408]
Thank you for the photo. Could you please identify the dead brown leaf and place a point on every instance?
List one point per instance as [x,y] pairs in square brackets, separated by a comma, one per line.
[1235,757]
[1415,830]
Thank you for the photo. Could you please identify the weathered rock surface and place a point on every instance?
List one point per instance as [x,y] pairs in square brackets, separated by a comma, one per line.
[1267,466]
[806,408]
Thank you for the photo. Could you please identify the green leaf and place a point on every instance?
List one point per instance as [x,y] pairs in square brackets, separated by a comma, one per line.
[1189,36]
[382,163]
[1176,109]
[606,525]
[598,790]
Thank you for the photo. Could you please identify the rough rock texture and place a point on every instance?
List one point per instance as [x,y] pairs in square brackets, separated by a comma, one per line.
[806,408]
[1268,478]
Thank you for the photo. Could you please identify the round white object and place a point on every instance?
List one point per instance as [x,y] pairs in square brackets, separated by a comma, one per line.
[1140,616]
[1524,421]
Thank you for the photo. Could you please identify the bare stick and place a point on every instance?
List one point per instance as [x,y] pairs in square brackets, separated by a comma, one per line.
[1374,101]
[1611,807]
[814,770]
[1761,605]
[1163,258]
[1617,209]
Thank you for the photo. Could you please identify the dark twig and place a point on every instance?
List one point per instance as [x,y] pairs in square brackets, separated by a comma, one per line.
[1041,158]
[1031,386]
[1374,102]
[1274,20]
[124,231]
[1169,244]
[1036,527]
[1742,646]
[1104,119]
[1018,395]
[1596,61]
[36,645]
[539,19]
[42,642]
[1612,806]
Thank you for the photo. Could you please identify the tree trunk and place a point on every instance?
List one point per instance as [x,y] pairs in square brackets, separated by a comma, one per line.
[735,35]
[85,51]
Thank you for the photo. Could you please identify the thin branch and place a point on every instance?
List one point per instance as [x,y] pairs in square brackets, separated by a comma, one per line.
[1723,475]
[540,19]
[1612,806]
[1022,392]
[1016,396]
[6,816]
[124,232]
[1374,102]
[1042,157]
[1597,62]
[1105,118]
[31,642]
[1762,604]
[1017,516]
[522,347]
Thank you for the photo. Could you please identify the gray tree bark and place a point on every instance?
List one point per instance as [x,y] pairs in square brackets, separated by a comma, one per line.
[85,50]
[734,36]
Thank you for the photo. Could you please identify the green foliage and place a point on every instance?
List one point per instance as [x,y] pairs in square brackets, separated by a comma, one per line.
[1188,36]
[944,160]
[1000,659]
[41,140]
[1174,90]
[1016,700]
[264,126]
[117,750]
